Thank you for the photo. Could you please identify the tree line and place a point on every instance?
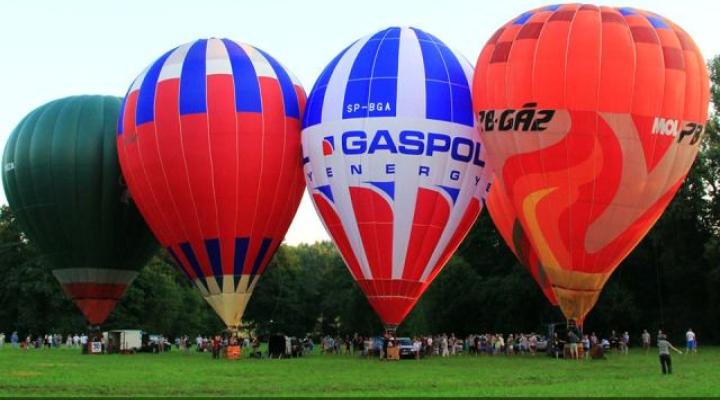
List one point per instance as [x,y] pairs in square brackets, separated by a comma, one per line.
[670,281]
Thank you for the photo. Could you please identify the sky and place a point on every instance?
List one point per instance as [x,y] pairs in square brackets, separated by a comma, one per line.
[53,49]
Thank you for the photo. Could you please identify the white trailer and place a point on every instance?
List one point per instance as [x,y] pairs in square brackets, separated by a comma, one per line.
[123,340]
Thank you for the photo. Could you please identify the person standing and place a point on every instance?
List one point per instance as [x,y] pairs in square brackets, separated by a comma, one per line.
[2,340]
[385,344]
[625,342]
[645,340]
[14,340]
[533,343]
[216,347]
[510,345]
[288,347]
[444,346]
[664,348]
[417,347]
[593,340]
[586,346]
[556,345]
[691,341]
[499,343]
[572,343]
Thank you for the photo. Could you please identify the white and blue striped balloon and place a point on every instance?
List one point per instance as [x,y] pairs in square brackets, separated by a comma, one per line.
[393,162]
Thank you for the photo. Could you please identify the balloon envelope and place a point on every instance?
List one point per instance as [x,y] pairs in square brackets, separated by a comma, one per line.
[592,118]
[63,182]
[209,143]
[392,162]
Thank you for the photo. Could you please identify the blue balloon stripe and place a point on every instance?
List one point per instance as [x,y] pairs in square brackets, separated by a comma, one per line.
[313,110]
[316,100]
[145,109]
[212,247]
[438,98]
[193,81]
[462,105]
[241,247]
[362,66]
[247,88]
[371,90]
[178,262]
[292,107]
[190,256]
[121,117]
[454,68]
[264,247]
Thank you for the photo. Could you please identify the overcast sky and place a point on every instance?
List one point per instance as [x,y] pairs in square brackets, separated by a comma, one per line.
[53,49]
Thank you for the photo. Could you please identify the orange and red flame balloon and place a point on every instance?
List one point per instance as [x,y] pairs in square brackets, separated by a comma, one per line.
[591,117]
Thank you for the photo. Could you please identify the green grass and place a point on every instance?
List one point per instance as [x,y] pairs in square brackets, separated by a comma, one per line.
[68,373]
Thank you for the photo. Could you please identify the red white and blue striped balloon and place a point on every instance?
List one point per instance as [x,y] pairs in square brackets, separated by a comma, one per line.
[393,162]
[209,143]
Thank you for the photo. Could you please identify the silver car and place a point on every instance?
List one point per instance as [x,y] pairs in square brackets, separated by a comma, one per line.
[406,347]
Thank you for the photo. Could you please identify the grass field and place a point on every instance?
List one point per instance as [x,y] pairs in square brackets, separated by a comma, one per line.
[68,373]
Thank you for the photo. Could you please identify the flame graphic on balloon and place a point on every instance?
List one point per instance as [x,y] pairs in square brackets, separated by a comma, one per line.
[592,118]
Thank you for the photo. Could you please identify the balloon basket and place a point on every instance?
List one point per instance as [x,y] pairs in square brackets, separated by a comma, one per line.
[393,353]
[233,352]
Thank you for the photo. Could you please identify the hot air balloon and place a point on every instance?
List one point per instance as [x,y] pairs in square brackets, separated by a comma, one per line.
[209,143]
[592,117]
[63,182]
[393,163]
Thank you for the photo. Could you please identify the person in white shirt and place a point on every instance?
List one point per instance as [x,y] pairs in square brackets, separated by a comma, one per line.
[2,340]
[625,342]
[444,345]
[646,340]
[691,341]
[417,347]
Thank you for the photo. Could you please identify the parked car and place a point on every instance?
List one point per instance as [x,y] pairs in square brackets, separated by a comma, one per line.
[542,343]
[155,344]
[406,347]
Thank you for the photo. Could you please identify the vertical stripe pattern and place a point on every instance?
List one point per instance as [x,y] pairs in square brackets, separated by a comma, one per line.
[209,143]
[392,162]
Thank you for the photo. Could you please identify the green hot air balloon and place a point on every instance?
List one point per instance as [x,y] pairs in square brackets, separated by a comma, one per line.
[63,182]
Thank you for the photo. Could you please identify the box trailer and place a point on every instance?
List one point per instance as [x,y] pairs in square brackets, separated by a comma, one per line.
[123,340]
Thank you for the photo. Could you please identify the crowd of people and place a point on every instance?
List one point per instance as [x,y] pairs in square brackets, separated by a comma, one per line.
[571,344]
[48,341]
[216,344]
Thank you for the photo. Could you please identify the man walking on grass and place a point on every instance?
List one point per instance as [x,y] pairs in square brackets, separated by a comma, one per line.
[664,348]
[691,341]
